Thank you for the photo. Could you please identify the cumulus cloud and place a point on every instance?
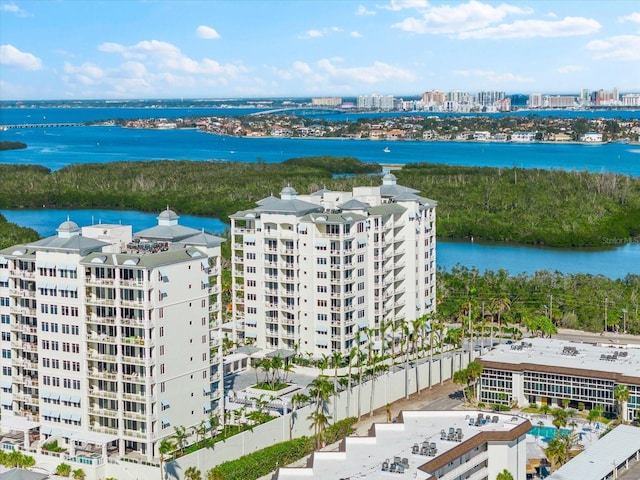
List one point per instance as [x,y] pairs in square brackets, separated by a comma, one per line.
[634,17]
[362,10]
[13,8]
[464,17]
[396,5]
[375,73]
[567,27]
[620,47]
[492,76]
[571,68]
[356,34]
[207,33]
[314,33]
[11,56]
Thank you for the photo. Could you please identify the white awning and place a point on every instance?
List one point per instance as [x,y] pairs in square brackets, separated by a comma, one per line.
[205,264]
[322,342]
[321,328]
[302,228]
[71,288]
[54,396]
[5,383]
[11,422]
[93,437]
[75,399]
[165,403]
[207,390]
[45,430]
[320,243]
[207,408]
[4,261]
[7,402]
[249,239]
[65,416]
[362,243]
[65,397]
[75,417]
[4,275]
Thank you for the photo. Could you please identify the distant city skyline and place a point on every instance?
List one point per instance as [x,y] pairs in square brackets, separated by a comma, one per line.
[261,49]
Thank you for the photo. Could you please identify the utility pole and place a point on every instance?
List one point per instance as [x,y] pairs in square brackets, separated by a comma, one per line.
[606,300]
[551,308]
[624,320]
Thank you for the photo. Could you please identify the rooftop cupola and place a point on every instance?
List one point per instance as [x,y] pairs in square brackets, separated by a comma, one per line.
[288,193]
[167,218]
[389,179]
[68,229]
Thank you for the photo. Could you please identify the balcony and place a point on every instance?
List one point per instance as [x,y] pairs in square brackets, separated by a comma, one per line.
[95,338]
[134,397]
[141,304]
[95,392]
[103,412]
[132,283]
[107,430]
[140,417]
[101,320]
[134,434]
[101,375]
[23,274]
[135,379]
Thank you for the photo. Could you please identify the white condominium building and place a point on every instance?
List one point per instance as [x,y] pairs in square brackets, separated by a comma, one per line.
[314,272]
[110,339]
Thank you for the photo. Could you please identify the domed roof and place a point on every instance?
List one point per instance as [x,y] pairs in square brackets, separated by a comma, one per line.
[288,191]
[68,226]
[168,215]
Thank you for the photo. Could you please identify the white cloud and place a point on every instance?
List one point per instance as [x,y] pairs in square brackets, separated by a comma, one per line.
[11,56]
[312,34]
[362,10]
[621,47]
[571,68]
[634,17]
[492,76]
[356,34]
[459,18]
[13,8]
[378,72]
[396,5]
[207,33]
[567,27]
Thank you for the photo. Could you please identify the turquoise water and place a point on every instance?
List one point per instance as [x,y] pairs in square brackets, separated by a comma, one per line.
[547,432]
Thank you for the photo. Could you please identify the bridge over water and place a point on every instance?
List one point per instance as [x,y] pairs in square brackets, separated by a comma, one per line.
[39,125]
[301,110]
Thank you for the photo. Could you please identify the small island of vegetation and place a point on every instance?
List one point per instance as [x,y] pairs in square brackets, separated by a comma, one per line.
[526,206]
[5,145]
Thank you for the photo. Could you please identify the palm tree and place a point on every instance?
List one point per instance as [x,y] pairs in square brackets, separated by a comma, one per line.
[336,361]
[460,378]
[297,401]
[165,448]
[560,417]
[319,421]
[383,334]
[621,395]
[79,474]
[361,359]
[352,354]
[504,475]
[417,326]
[180,434]
[431,332]
[200,431]
[192,473]
[63,469]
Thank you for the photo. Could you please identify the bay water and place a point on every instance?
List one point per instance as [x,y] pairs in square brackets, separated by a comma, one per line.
[57,147]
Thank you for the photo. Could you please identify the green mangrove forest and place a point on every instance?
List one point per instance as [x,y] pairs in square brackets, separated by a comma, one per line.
[5,145]
[527,206]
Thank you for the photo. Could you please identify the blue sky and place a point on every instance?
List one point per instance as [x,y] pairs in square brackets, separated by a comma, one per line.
[121,49]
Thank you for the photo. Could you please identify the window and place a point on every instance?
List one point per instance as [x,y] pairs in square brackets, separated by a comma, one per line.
[162,331]
[251,283]
[322,303]
[321,261]
[322,289]
[161,349]
[321,274]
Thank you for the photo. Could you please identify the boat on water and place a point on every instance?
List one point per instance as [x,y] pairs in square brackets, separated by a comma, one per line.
[386,150]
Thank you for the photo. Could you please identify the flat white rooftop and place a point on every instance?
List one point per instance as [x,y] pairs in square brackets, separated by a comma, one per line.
[600,458]
[553,353]
[362,457]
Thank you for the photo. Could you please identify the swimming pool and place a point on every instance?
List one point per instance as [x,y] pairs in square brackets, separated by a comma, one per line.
[547,432]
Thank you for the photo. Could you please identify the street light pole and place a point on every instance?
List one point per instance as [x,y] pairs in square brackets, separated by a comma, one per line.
[624,320]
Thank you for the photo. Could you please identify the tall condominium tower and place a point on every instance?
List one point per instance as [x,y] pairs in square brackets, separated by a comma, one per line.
[313,273]
[110,339]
